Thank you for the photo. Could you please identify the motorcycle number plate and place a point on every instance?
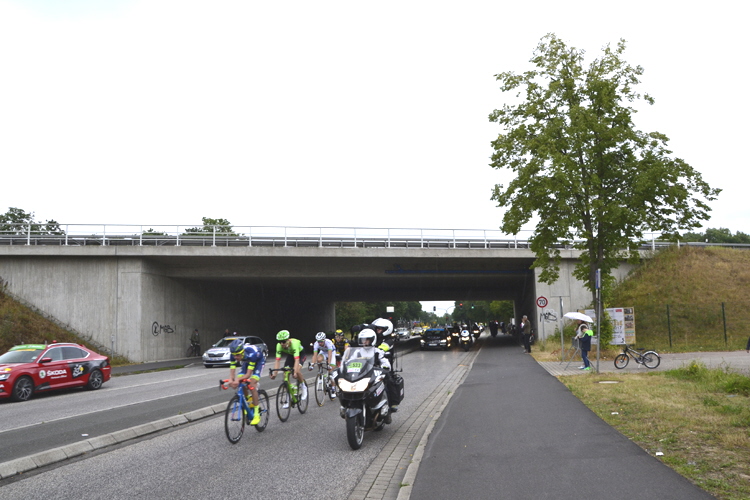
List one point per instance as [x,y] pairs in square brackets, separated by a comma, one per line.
[353,370]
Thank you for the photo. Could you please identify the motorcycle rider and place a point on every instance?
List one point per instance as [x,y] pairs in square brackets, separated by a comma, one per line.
[367,339]
[384,341]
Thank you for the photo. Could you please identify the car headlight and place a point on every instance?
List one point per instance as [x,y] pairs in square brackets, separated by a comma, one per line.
[359,386]
[4,376]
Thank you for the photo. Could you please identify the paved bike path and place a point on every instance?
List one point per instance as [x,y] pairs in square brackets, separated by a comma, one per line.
[513,431]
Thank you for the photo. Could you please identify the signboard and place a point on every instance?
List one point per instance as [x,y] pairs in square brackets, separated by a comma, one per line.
[541,302]
[623,322]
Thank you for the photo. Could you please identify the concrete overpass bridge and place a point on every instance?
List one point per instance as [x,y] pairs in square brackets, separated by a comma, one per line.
[141,294]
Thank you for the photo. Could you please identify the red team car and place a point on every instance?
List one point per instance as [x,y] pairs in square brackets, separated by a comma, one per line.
[30,368]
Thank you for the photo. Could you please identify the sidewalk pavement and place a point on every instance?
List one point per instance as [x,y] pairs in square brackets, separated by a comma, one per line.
[512,431]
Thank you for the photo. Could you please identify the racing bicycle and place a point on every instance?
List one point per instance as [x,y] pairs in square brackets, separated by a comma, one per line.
[238,412]
[649,359]
[323,383]
[288,396]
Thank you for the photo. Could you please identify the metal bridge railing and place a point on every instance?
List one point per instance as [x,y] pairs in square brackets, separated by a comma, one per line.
[265,236]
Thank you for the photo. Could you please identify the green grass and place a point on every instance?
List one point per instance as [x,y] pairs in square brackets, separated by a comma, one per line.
[697,417]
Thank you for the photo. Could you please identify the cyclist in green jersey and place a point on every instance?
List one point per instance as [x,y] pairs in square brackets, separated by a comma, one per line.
[295,357]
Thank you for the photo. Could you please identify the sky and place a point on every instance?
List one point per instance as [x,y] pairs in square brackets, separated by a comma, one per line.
[330,113]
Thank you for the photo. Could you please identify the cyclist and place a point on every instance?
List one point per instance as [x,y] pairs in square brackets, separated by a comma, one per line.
[295,357]
[321,348]
[341,345]
[251,361]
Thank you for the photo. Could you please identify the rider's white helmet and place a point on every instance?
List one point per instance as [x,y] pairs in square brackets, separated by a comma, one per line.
[366,334]
[383,323]
[320,336]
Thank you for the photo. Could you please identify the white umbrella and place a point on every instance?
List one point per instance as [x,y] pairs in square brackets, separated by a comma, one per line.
[577,315]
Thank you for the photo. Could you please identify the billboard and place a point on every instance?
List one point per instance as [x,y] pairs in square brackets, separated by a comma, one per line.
[623,322]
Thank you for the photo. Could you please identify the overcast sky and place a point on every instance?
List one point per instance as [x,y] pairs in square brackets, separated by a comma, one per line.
[327,113]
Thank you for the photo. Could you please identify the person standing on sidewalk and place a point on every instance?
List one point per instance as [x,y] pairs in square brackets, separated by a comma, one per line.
[584,334]
[526,331]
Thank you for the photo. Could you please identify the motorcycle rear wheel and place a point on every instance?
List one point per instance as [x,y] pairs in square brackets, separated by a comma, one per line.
[355,431]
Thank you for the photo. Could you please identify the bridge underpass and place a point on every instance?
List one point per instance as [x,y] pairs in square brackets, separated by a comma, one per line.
[122,297]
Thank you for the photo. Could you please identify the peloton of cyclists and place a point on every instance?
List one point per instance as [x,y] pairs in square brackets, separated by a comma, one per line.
[251,361]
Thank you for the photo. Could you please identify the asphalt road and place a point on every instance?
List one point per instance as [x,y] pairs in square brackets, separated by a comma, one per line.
[307,456]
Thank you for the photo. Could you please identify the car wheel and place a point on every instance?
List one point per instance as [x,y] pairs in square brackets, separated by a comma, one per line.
[96,379]
[22,389]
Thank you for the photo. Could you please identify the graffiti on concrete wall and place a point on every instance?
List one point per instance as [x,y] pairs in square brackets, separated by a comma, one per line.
[156,328]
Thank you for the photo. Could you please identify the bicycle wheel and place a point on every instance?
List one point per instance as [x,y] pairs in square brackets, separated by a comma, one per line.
[651,359]
[234,420]
[302,403]
[263,408]
[621,361]
[320,389]
[329,388]
[283,399]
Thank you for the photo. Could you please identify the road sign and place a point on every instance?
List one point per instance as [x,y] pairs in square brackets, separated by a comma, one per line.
[541,302]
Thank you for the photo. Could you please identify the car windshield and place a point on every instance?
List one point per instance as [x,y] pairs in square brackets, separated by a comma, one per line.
[20,356]
[225,342]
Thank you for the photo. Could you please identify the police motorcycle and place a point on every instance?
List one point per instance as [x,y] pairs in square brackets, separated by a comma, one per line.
[360,386]
[466,339]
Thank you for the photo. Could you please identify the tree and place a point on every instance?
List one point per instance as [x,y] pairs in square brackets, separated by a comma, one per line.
[721,235]
[18,221]
[222,227]
[590,177]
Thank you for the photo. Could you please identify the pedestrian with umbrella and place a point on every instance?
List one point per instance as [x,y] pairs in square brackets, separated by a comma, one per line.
[583,334]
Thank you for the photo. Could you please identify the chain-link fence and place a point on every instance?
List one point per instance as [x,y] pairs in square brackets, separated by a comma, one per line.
[685,327]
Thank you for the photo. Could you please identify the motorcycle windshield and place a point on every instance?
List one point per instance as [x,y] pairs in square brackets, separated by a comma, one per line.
[357,362]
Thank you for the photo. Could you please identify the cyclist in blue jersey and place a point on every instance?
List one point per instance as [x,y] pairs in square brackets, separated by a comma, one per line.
[251,361]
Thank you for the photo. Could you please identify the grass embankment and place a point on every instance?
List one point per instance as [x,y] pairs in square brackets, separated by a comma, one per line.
[22,325]
[698,418]
[689,299]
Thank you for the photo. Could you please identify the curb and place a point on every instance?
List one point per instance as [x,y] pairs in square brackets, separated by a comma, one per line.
[54,455]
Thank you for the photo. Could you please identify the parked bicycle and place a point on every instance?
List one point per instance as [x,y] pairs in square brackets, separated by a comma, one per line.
[649,359]
[323,383]
[238,412]
[193,350]
[288,395]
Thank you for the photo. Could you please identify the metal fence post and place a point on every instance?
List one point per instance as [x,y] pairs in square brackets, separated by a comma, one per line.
[669,327]
[724,317]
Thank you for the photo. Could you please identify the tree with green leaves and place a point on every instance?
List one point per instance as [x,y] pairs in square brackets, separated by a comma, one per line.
[589,176]
[720,235]
[18,221]
[220,227]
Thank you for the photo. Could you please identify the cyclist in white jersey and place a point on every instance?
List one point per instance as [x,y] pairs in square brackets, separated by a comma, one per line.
[323,348]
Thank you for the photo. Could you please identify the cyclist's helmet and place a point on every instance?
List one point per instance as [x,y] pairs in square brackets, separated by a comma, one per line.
[236,347]
[320,336]
[339,333]
[364,335]
[383,323]
[282,336]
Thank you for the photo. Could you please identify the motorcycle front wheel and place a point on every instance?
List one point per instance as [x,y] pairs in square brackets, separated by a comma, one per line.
[355,431]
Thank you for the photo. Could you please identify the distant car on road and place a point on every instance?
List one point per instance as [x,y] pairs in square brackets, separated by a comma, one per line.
[403,333]
[218,354]
[32,368]
[417,330]
[435,337]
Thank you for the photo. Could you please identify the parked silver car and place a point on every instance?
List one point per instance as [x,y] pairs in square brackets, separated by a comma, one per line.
[218,354]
